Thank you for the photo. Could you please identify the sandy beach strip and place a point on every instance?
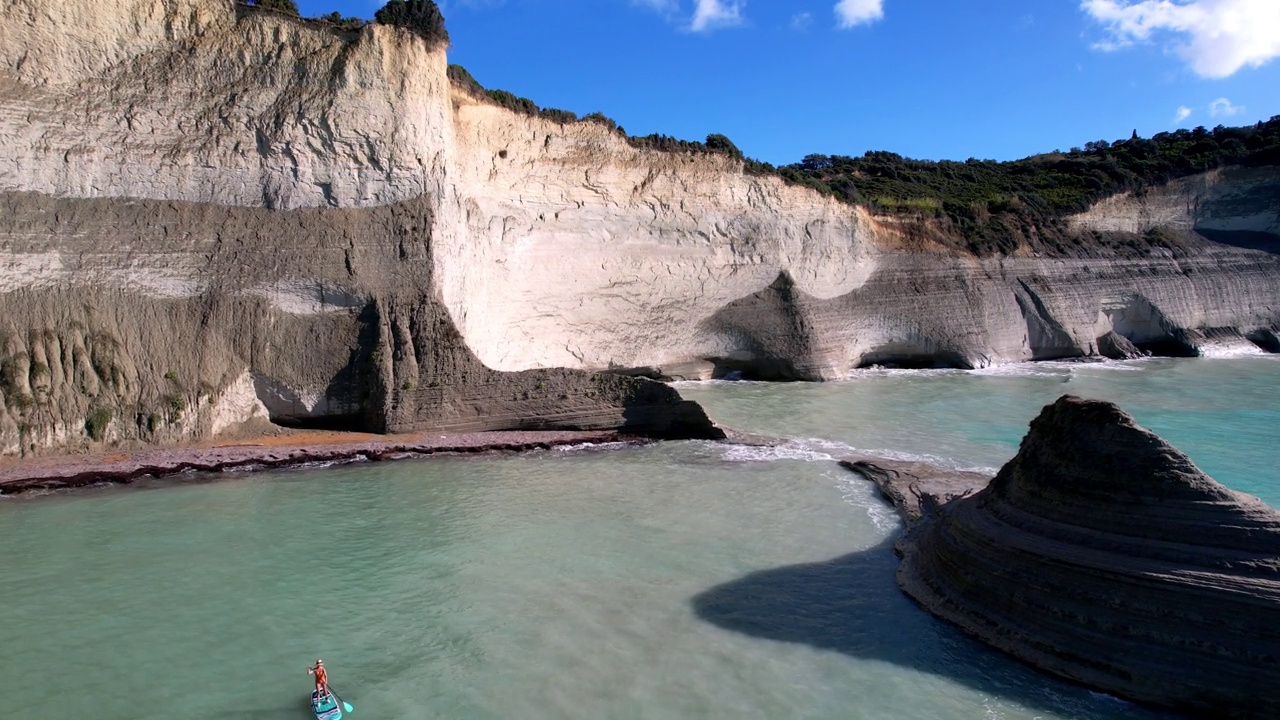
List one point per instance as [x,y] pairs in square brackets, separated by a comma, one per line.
[289,449]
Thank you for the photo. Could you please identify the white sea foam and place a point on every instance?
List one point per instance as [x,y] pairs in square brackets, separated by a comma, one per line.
[1232,350]
[1046,368]
[853,490]
[880,372]
[37,492]
[677,384]
[791,450]
[862,494]
[823,450]
[942,462]
[1042,368]
[901,456]
[589,447]
[255,467]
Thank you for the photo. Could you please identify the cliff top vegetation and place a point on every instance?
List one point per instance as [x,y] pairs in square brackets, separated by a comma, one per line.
[714,144]
[997,205]
[421,17]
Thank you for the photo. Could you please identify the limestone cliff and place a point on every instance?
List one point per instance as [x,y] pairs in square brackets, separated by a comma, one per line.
[686,264]
[214,213]
[1103,555]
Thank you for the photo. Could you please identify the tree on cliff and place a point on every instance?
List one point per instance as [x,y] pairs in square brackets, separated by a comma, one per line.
[720,143]
[421,16]
[284,6]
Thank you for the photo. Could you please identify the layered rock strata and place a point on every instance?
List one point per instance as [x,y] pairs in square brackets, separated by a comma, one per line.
[213,214]
[314,317]
[1103,555]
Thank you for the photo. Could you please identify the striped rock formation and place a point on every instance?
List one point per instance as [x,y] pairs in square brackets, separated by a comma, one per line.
[1103,555]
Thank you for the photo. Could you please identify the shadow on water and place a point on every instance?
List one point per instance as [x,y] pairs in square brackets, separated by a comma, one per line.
[852,605]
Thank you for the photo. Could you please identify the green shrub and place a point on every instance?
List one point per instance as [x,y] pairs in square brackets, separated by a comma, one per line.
[721,144]
[419,16]
[511,102]
[284,6]
[666,143]
[556,115]
[97,422]
[343,23]
[921,204]
[460,77]
[176,404]
[601,119]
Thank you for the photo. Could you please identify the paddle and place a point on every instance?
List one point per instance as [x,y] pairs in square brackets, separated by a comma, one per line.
[346,706]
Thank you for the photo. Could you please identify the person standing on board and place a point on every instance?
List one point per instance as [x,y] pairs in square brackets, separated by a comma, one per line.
[322,677]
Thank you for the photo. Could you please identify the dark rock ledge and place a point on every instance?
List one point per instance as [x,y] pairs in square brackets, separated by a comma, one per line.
[1102,555]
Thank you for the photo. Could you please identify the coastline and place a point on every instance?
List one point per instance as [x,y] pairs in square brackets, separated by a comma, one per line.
[274,452]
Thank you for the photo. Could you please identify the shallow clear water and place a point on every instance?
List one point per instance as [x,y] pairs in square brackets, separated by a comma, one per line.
[681,580]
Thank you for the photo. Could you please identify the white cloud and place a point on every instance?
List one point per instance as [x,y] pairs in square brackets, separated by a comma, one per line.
[1215,37]
[801,21]
[1222,107]
[1183,113]
[712,14]
[851,13]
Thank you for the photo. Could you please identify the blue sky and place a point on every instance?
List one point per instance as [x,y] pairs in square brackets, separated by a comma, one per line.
[997,79]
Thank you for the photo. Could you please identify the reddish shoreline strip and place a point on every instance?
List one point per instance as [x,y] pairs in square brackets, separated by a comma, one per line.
[19,475]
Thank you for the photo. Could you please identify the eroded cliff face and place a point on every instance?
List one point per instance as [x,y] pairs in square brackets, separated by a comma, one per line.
[1232,200]
[214,214]
[588,252]
[595,253]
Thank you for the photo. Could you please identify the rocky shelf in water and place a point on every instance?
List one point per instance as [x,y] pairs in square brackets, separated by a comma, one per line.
[1103,555]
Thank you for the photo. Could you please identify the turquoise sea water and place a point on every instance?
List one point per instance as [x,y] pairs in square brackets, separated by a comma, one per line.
[679,580]
[1224,412]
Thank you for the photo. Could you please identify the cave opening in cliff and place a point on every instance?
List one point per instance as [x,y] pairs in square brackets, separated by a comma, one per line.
[756,369]
[328,423]
[335,410]
[907,359]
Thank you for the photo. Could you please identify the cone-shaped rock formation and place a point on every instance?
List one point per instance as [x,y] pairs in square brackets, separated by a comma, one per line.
[1102,554]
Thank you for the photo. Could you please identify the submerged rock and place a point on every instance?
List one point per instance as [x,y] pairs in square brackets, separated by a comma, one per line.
[1102,554]
[914,487]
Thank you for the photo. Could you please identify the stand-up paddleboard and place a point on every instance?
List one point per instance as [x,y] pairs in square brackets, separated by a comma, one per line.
[325,706]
